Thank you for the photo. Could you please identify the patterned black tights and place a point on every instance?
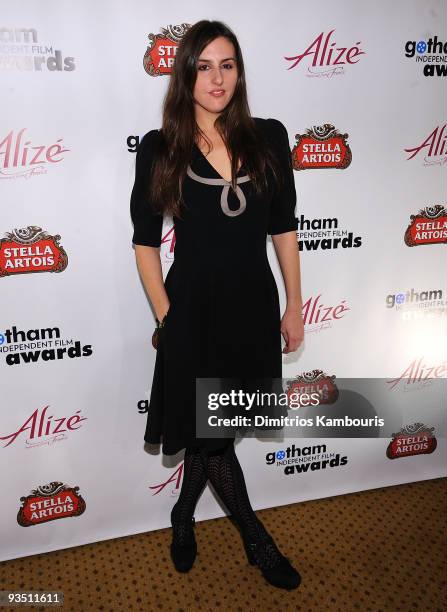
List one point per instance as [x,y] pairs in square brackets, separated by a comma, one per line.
[226,475]
[224,471]
[193,483]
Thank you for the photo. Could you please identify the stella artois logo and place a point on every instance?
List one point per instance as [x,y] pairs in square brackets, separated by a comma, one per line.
[160,54]
[315,381]
[321,147]
[416,439]
[429,226]
[49,503]
[31,249]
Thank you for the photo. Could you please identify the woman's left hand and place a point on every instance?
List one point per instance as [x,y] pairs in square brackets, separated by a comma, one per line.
[292,329]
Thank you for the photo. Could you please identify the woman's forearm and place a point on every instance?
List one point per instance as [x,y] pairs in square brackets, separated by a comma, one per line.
[287,251]
[151,274]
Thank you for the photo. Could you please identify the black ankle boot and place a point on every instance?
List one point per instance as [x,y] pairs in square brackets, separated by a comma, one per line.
[183,554]
[282,575]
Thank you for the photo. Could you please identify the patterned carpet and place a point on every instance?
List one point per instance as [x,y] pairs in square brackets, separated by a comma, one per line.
[383,549]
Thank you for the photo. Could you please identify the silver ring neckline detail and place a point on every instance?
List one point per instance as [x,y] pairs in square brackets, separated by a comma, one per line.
[226,188]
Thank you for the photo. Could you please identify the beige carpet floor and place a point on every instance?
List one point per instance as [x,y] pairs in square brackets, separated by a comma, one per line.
[384,549]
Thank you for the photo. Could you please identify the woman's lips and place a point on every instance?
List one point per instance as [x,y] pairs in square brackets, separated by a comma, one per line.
[217,93]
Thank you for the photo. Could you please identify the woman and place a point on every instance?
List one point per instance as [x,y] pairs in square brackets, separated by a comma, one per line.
[227,180]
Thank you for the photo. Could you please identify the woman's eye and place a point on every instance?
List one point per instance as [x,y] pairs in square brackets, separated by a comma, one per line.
[223,65]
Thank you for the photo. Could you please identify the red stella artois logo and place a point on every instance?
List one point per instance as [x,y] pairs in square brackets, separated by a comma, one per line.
[160,54]
[31,249]
[314,382]
[49,503]
[416,439]
[429,226]
[321,147]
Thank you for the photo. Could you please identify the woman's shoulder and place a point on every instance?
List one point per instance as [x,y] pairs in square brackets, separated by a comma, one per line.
[271,127]
[147,145]
[149,137]
[274,131]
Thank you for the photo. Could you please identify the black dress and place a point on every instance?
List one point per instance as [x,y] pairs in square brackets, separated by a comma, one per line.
[224,314]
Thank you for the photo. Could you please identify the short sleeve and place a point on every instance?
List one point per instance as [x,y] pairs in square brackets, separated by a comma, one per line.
[282,207]
[147,224]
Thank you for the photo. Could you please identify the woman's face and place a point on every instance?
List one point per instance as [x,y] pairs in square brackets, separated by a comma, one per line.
[216,76]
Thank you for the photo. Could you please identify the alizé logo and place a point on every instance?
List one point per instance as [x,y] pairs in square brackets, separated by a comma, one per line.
[175,478]
[428,226]
[21,158]
[315,381]
[31,249]
[417,375]
[160,54]
[42,429]
[168,239]
[317,316]
[433,149]
[321,147]
[49,503]
[327,59]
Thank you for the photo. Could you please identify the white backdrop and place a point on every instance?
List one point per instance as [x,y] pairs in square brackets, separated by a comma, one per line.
[66,168]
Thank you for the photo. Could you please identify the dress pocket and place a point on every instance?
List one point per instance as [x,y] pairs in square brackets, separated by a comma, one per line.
[167,316]
[160,327]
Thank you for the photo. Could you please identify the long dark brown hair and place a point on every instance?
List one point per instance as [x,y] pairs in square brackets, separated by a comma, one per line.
[179,129]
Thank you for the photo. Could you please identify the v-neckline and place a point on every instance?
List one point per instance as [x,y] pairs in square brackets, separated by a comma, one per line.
[211,165]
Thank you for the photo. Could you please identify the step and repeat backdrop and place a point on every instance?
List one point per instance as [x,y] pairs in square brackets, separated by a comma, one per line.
[361,89]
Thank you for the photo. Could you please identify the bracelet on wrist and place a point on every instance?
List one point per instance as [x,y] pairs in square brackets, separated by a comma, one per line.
[160,323]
